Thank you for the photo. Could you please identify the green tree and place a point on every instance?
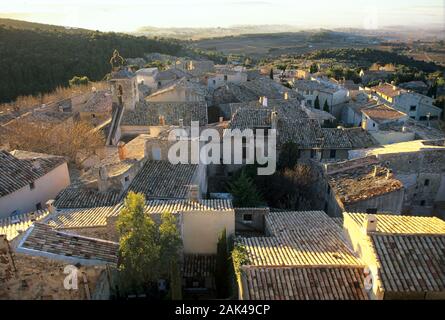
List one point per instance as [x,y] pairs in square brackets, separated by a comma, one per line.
[175,282]
[78,81]
[326,106]
[288,156]
[317,103]
[313,68]
[222,280]
[244,191]
[271,73]
[139,250]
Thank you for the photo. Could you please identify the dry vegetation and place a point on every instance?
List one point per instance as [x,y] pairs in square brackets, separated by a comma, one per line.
[67,139]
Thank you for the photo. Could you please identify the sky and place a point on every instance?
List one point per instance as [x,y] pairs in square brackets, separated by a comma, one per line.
[129,15]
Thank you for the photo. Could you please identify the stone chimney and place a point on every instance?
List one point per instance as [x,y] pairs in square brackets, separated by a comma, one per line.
[122,150]
[36,165]
[50,206]
[221,119]
[274,119]
[371,223]
[161,120]
[102,179]
[146,150]
[286,95]
[181,122]
[388,174]
[374,172]
[264,101]
[194,193]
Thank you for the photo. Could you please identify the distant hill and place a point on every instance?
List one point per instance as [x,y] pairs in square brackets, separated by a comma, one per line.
[38,57]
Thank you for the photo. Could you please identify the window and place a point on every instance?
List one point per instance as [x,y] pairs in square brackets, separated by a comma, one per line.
[371,211]
[93,116]
[413,117]
[248,217]
[412,108]
[225,77]
[373,125]
[38,206]
[333,154]
[312,154]
[32,186]
[422,203]
[127,178]
[427,182]
[214,81]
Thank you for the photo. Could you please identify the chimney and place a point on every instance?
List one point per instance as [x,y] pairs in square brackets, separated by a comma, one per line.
[221,119]
[102,179]
[374,172]
[36,165]
[371,223]
[274,119]
[146,150]
[403,129]
[261,100]
[264,101]
[194,193]
[286,96]
[181,123]
[388,174]
[50,206]
[161,120]
[122,150]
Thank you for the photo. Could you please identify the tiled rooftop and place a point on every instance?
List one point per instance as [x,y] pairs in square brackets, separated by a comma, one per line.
[163,180]
[198,266]
[14,226]
[301,283]
[300,239]
[383,113]
[80,196]
[81,218]
[148,113]
[179,206]
[359,183]
[411,263]
[387,89]
[397,224]
[19,171]
[42,240]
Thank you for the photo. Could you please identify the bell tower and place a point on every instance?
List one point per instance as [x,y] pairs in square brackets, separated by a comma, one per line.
[124,87]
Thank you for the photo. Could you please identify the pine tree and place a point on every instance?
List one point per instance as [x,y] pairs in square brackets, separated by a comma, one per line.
[317,103]
[326,106]
[271,73]
[244,191]
[222,280]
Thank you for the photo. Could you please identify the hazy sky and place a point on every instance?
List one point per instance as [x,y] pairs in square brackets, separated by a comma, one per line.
[128,15]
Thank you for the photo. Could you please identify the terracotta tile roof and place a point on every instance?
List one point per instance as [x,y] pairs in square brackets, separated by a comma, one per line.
[81,218]
[16,173]
[198,266]
[148,113]
[387,90]
[80,196]
[361,139]
[163,180]
[42,240]
[334,138]
[14,226]
[320,283]
[383,113]
[358,183]
[411,263]
[180,206]
[100,102]
[397,224]
[299,239]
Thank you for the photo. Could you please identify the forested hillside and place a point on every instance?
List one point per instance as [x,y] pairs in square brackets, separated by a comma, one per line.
[37,58]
